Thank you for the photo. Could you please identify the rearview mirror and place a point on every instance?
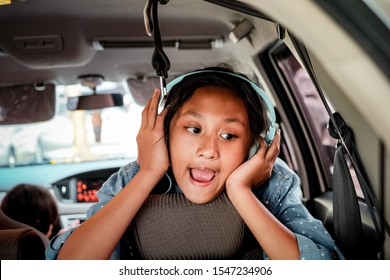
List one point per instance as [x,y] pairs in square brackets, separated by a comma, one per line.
[94,101]
[27,104]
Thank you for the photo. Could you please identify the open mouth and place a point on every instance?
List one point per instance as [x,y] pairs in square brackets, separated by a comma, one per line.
[202,176]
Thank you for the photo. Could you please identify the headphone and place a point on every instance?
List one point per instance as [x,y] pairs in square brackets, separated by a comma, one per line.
[270,133]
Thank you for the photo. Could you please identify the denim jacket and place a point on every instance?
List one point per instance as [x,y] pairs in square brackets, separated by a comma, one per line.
[280,194]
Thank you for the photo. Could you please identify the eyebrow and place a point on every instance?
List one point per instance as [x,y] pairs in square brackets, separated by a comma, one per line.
[200,116]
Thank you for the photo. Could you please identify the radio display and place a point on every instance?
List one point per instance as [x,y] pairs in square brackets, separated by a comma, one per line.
[87,189]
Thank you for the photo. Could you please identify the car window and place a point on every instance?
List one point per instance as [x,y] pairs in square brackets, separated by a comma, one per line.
[312,108]
[314,114]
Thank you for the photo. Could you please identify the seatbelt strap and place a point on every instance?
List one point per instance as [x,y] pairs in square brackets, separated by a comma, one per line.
[371,200]
[347,218]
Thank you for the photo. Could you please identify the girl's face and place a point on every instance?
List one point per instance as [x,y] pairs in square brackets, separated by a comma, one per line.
[209,138]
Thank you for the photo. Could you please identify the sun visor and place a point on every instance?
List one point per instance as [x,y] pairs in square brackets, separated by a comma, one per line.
[27,104]
[142,88]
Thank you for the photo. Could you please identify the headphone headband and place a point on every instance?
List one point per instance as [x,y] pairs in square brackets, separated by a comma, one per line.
[269,136]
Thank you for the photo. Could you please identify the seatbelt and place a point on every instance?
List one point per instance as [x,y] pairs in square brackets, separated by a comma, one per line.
[347,217]
[340,185]
[341,211]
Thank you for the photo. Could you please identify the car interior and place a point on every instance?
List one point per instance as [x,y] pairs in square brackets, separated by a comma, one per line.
[75,76]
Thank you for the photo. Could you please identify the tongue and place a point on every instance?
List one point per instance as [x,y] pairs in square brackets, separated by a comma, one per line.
[202,175]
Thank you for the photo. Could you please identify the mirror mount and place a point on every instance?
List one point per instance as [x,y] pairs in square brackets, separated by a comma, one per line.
[91,80]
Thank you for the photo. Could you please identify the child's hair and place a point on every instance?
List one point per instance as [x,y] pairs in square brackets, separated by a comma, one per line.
[181,93]
[32,205]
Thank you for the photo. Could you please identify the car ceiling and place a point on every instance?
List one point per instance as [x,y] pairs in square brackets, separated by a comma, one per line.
[71,28]
[78,23]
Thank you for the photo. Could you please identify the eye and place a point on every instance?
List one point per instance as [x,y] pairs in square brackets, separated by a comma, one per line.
[194,130]
[228,136]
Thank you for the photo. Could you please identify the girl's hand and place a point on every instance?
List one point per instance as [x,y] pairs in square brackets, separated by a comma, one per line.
[152,148]
[258,169]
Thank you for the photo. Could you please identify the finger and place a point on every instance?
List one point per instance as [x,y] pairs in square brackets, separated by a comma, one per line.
[153,108]
[263,147]
[274,149]
[161,118]
[144,115]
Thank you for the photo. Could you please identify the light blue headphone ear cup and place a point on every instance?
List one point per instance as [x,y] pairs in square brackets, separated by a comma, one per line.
[253,150]
[269,136]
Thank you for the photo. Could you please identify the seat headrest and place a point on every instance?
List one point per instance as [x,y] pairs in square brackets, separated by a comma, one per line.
[21,244]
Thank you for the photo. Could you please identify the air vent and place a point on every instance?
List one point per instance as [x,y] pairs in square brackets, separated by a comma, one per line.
[39,44]
[191,43]
[62,190]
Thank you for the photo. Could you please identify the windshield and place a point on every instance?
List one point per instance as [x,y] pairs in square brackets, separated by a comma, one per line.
[74,136]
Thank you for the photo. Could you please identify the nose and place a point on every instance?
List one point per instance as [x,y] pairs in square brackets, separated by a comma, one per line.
[208,147]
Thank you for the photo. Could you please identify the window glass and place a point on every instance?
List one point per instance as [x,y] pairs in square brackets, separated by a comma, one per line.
[314,113]
[312,109]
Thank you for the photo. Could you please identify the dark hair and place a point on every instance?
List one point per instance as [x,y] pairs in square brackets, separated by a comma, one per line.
[254,104]
[32,205]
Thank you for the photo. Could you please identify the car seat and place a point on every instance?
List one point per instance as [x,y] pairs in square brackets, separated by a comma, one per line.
[21,244]
[19,241]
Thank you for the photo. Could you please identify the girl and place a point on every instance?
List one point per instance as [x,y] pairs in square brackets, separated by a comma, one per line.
[210,121]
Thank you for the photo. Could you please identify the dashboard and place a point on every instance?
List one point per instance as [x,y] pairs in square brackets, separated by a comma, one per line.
[79,190]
